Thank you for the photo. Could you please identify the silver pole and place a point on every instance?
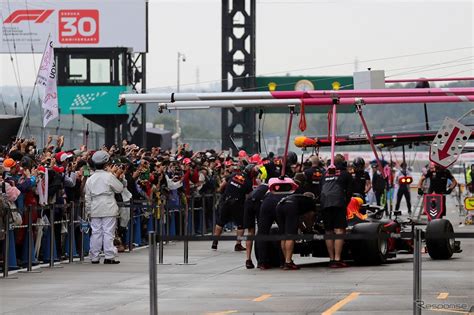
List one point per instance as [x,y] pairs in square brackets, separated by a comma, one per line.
[51,238]
[6,243]
[130,238]
[81,254]
[162,232]
[186,243]
[30,239]
[153,275]
[203,215]
[417,273]
[71,233]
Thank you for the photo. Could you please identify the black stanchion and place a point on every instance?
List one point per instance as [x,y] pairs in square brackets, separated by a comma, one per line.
[203,216]
[29,267]
[30,239]
[81,254]
[162,212]
[153,274]
[130,230]
[180,221]
[71,233]
[417,273]
[214,208]
[52,238]
[6,245]
[192,217]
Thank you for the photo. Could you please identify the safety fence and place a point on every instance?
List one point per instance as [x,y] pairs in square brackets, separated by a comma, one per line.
[42,228]
[417,235]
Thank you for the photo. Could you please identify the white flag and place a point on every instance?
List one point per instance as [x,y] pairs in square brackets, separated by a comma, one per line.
[47,80]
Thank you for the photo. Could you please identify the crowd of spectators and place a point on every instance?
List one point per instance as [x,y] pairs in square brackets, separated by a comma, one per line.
[35,177]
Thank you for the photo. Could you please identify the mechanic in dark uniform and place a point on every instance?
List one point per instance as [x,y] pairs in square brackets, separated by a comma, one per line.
[237,186]
[336,192]
[279,188]
[313,176]
[251,211]
[288,212]
[438,177]
[361,178]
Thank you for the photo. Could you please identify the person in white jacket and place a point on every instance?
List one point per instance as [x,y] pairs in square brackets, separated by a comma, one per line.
[102,207]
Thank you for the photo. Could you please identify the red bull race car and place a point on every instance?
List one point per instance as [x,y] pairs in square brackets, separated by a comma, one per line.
[385,237]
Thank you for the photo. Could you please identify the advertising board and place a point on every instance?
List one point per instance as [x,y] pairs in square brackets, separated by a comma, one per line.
[78,24]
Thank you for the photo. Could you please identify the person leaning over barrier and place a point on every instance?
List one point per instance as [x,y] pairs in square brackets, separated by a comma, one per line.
[102,208]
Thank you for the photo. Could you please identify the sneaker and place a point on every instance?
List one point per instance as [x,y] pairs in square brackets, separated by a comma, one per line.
[290,266]
[95,262]
[338,264]
[264,266]
[111,262]
[249,264]
[214,245]
[239,248]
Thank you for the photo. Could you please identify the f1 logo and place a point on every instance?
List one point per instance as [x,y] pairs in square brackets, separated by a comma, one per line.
[78,26]
[38,16]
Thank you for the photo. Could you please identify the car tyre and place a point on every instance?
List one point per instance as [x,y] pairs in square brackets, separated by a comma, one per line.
[439,248]
[371,251]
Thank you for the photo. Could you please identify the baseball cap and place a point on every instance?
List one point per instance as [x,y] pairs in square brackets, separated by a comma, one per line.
[62,156]
[8,163]
[100,157]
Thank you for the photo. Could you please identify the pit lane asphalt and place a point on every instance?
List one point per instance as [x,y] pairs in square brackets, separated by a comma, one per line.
[216,282]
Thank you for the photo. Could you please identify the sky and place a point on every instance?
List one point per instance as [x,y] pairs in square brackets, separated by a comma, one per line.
[304,37]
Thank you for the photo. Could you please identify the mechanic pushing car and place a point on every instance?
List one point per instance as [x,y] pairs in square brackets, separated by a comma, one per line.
[278,188]
[288,212]
[236,187]
[438,177]
[251,211]
[336,193]
[313,176]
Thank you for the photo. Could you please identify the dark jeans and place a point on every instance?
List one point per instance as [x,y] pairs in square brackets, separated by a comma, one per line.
[403,191]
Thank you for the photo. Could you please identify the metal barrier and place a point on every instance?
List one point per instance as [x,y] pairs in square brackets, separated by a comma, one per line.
[416,236]
[72,213]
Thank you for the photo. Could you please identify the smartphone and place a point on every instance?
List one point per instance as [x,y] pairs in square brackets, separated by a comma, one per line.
[86,171]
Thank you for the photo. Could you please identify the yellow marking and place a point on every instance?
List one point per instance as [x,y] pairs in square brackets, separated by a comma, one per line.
[262,298]
[333,309]
[443,296]
[223,313]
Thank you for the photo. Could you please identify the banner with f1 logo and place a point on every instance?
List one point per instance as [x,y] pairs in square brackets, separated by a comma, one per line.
[84,24]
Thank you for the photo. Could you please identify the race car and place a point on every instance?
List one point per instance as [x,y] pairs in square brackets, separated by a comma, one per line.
[385,237]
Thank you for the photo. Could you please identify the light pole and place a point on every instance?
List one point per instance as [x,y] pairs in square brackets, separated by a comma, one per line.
[181,57]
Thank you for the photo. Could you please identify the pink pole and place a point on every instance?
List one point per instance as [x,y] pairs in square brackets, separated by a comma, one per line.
[430,79]
[369,137]
[283,170]
[374,93]
[393,100]
[333,134]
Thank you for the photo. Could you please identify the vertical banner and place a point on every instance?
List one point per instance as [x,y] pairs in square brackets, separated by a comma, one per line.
[47,82]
